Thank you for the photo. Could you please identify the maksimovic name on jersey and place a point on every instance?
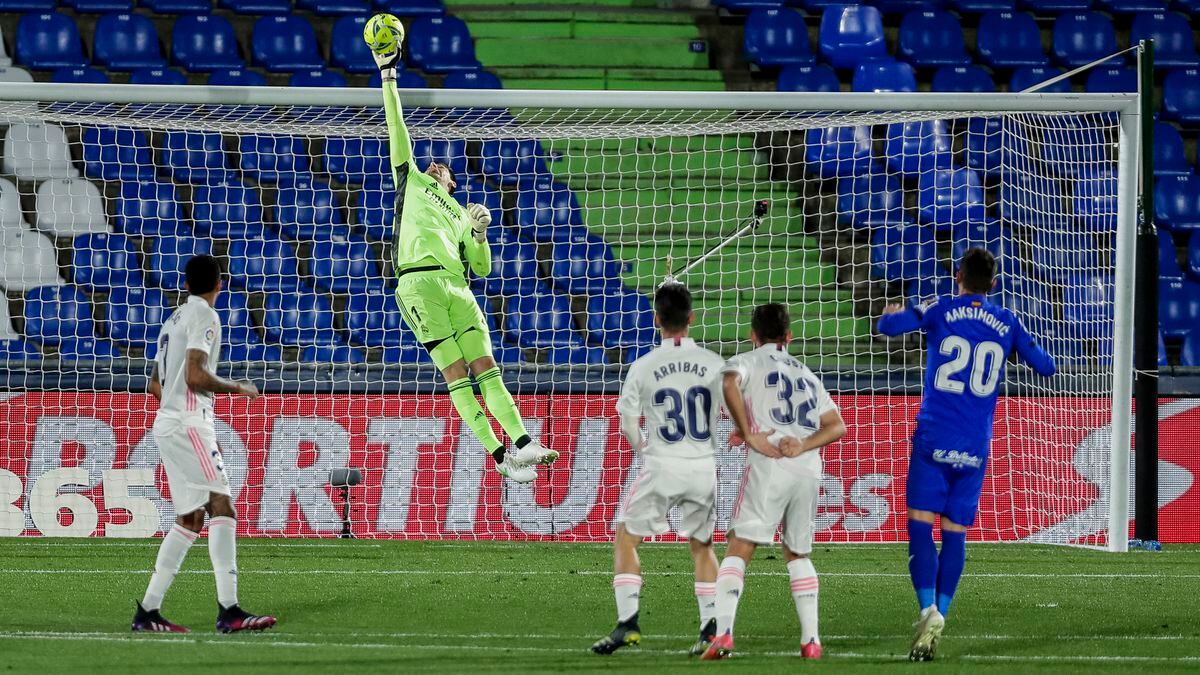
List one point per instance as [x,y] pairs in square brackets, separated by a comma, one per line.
[978,314]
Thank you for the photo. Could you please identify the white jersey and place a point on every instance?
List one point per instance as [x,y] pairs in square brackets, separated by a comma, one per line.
[195,325]
[783,398]
[676,388]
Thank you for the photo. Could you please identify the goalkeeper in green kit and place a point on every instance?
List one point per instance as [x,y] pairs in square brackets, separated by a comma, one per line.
[433,237]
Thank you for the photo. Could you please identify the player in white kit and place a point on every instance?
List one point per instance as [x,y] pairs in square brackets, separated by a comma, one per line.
[785,416]
[184,383]
[676,389]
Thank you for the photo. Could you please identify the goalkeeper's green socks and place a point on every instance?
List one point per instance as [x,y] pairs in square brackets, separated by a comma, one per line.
[502,406]
[462,394]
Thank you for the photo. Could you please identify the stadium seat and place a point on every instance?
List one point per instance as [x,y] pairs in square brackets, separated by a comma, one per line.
[373,319]
[1007,39]
[949,197]
[441,44]
[300,319]
[913,148]
[515,269]
[111,153]
[1168,257]
[169,257]
[346,266]
[104,261]
[353,160]
[870,201]
[177,6]
[195,157]
[1135,6]
[285,44]
[48,40]
[406,79]
[452,153]
[5,59]
[57,313]
[747,5]
[932,38]
[168,76]
[1177,201]
[37,151]
[231,211]
[11,213]
[1024,78]
[251,353]
[135,317]
[621,318]
[203,43]
[884,75]
[27,5]
[1181,95]
[1095,199]
[70,206]
[411,7]
[472,79]
[819,77]
[474,190]
[237,323]
[87,349]
[317,78]
[27,260]
[541,318]
[306,209]
[900,253]
[336,8]
[1112,81]
[1088,304]
[1190,354]
[274,159]
[150,208]
[510,162]
[99,6]
[1174,43]
[79,75]
[1178,308]
[1170,159]
[12,346]
[982,233]
[777,37]
[127,42]
[549,211]
[851,34]
[257,7]
[1057,254]
[375,208]
[347,50]
[13,74]
[1078,143]
[576,355]
[1043,7]
[236,77]
[585,267]
[1193,254]
[838,152]
[1032,201]
[972,78]
[332,354]
[263,264]
[990,147]
[1083,37]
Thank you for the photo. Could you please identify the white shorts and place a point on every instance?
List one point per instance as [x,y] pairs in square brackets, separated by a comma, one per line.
[772,495]
[667,482]
[193,462]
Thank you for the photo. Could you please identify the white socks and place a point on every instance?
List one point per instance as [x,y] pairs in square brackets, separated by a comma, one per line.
[171,553]
[628,590]
[706,599]
[730,581]
[222,550]
[804,593]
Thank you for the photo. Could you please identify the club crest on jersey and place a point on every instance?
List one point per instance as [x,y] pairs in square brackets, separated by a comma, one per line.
[957,458]
[210,334]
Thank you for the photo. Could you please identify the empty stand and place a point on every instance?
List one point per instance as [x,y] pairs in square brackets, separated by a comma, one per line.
[777,37]
[127,42]
[48,40]
[932,38]
[440,44]
[68,207]
[203,43]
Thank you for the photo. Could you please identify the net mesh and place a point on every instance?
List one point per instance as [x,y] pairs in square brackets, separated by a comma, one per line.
[103,203]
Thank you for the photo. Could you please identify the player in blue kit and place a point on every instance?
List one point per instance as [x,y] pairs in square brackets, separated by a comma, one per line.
[969,341]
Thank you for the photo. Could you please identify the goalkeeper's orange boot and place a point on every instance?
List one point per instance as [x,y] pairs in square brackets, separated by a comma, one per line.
[720,648]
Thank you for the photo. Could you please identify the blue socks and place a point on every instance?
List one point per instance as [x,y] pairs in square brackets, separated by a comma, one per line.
[923,562]
[949,567]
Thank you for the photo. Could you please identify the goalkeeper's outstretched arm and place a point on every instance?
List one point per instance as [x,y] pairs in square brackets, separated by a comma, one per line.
[399,140]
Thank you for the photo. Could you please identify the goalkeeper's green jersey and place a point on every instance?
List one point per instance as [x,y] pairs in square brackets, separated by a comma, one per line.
[430,227]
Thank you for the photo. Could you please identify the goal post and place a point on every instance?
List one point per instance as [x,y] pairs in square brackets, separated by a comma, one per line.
[594,194]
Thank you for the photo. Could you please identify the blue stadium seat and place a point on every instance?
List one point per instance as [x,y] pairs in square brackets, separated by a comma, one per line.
[933,281]
[99,6]
[948,197]
[257,7]
[1113,80]
[871,201]
[177,6]
[838,152]
[285,44]
[1042,7]
[1181,95]
[317,78]
[103,261]
[411,7]
[1095,199]
[902,252]
[1177,201]
[916,147]
[203,43]
[549,211]
[1190,354]
[1168,257]
[983,233]
[747,5]
[274,159]
[87,349]
[441,44]
[514,269]
[127,42]
[621,318]
[346,266]
[1083,37]
[251,353]
[332,354]
[777,37]
[1033,201]
[576,355]
[263,264]
[980,6]
[512,162]
[405,79]
[353,160]
[347,50]
[135,317]
[1193,255]
[307,209]
[299,318]
[1170,159]
[80,75]
[541,318]
[932,38]
[884,75]
[1174,43]
[1008,39]
[169,257]
[27,5]
[117,154]
[150,208]
[49,40]
[972,78]
[1088,304]
[808,78]
[452,153]
[990,147]
[1178,308]
[168,76]
[375,208]
[195,157]
[336,8]
[16,349]
[1080,142]
[1057,254]
[236,77]
[56,313]
[851,34]
[373,319]
[1134,6]
[585,267]
[471,79]
[474,190]
[1024,78]
[237,323]
[230,211]
[905,7]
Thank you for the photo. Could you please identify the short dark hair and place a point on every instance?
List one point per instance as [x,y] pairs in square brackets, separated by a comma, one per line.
[978,269]
[202,273]
[770,322]
[673,305]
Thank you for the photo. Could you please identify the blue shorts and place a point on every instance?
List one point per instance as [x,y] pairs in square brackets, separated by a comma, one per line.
[947,482]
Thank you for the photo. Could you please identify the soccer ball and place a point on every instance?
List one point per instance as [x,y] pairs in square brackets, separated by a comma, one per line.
[383,33]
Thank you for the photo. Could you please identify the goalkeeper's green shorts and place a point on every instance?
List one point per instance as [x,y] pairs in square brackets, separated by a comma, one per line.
[439,307]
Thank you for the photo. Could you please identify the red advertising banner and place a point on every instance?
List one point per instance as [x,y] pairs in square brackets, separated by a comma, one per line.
[85,464]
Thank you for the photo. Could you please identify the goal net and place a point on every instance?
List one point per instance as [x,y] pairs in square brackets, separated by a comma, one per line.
[872,199]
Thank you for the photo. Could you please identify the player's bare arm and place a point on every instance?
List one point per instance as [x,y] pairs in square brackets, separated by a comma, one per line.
[155,387]
[736,406]
[833,427]
[200,378]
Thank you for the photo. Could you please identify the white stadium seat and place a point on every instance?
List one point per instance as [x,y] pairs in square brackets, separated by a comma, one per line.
[28,260]
[10,206]
[37,152]
[5,59]
[11,74]
[70,206]
[6,328]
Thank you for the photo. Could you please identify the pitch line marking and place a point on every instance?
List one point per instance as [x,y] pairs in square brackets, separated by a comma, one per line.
[605,573]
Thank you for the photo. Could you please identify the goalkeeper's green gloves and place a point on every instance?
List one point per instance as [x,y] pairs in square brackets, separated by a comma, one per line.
[480,219]
[387,63]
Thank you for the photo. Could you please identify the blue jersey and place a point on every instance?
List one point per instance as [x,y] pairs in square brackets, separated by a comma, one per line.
[969,339]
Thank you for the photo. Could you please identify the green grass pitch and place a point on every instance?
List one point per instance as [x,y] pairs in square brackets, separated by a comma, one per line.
[364,606]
